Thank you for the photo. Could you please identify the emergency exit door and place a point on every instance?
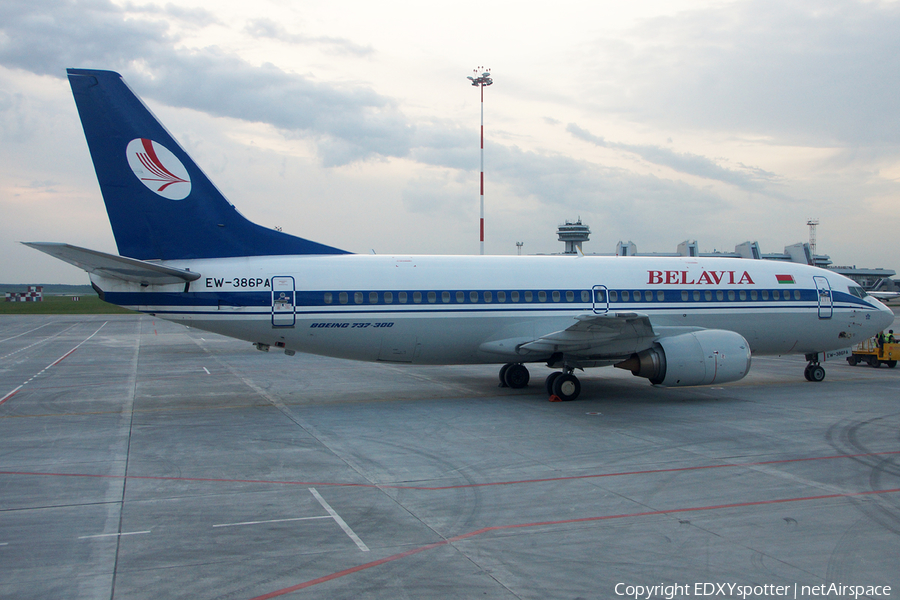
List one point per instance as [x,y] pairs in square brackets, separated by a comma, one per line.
[283,302]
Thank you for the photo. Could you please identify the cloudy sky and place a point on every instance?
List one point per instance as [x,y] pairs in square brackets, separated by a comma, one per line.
[352,123]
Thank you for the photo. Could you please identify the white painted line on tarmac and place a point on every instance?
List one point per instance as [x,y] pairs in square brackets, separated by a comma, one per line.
[271,521]
[51,365]
[4,543]
[337,519]
[29,331]
[207,371]
[101,535]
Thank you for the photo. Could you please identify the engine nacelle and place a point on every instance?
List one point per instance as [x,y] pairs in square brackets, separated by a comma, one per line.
[698,358]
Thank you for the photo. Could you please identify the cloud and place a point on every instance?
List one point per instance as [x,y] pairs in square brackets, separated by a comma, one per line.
[689,164]
[803,72]
[267,28]
[350,122]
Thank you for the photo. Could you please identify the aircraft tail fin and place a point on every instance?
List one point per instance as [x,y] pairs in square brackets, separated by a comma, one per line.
[160,204]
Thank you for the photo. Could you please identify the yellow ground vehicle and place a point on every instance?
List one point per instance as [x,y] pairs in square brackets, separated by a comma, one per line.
[869,352]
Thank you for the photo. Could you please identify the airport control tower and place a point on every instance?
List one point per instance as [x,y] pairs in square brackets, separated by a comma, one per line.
[573,234]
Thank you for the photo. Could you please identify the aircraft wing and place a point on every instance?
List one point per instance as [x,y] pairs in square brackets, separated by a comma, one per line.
[592,334]
[110,265]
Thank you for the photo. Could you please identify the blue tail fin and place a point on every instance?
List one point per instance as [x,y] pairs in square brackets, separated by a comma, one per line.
[160,204]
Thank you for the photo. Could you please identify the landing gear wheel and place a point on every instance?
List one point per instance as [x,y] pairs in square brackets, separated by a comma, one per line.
[566,387]
[548,384]
[503,371]
[815,373]
[516,376]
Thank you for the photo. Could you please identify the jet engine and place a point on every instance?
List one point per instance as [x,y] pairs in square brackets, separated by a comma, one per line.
[697,358]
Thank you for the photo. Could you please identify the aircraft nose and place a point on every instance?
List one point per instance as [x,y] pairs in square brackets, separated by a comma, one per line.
[885,317]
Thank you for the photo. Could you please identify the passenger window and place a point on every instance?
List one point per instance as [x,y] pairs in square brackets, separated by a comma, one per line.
[585,296]
[742,294]
[600,295]
[661,296]
[460,297]
[570,296]
[776,295]
[696,296]
[328,298]
[719,295]
[529,296]
[388,297]
[342,297]
[514,296]
[556,296]
[473,297]
[373,297]
[626,296]
[542,296]
[614,296]
[417,297]
[402,297]
[501,296]
[432,297]
[684,295]
[731,294]
[648,296]
[753,295]
[358,297]
[707,295]
[796,294]
[488,297]
[445,297]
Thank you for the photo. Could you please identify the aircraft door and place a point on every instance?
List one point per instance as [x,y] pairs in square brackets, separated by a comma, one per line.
[283,295]
[826,303]
[601,299]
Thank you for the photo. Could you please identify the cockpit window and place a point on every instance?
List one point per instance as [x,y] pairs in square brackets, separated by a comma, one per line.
[858,291]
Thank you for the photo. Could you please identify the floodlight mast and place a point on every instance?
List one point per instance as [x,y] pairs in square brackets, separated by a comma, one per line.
[483,80]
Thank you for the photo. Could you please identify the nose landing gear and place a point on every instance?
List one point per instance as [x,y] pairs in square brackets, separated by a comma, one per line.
[814,371]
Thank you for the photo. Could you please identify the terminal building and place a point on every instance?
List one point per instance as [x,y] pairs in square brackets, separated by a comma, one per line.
[574,234]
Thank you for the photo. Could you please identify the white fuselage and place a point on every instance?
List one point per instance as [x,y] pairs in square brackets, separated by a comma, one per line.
[452,309]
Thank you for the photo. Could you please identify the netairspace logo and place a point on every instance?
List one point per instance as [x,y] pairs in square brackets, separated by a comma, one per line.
[736,590]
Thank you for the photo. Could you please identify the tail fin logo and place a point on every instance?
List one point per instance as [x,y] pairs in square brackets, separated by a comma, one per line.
[158,169]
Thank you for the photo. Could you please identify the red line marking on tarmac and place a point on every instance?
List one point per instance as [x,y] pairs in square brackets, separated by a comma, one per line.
[369,565]
[452,487]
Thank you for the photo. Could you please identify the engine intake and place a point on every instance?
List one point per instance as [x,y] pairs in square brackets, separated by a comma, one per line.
[697,358]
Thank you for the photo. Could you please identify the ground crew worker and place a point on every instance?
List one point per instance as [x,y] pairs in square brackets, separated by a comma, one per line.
[879,339]
[890,337]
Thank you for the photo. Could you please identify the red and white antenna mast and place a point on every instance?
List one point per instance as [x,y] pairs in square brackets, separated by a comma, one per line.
[483,80]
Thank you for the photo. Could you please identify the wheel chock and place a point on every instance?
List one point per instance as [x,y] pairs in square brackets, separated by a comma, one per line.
[555,398]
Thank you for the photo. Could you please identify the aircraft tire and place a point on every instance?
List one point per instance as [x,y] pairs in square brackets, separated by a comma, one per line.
[816,373]
[806,373]
[566,387]
[516,376]
[548,383]
[503,371]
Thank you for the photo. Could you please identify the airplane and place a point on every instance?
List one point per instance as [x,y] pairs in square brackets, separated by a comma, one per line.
[187,255]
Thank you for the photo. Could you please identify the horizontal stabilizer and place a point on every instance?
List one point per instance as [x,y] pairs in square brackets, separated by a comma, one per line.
[117,267]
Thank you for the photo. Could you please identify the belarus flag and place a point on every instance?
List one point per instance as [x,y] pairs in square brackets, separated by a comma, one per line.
[783,279]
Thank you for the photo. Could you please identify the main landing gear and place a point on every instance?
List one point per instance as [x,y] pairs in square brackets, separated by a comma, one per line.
[561,386]
[814,371]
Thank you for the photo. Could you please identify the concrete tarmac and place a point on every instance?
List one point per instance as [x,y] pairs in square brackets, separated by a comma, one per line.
[141,459]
